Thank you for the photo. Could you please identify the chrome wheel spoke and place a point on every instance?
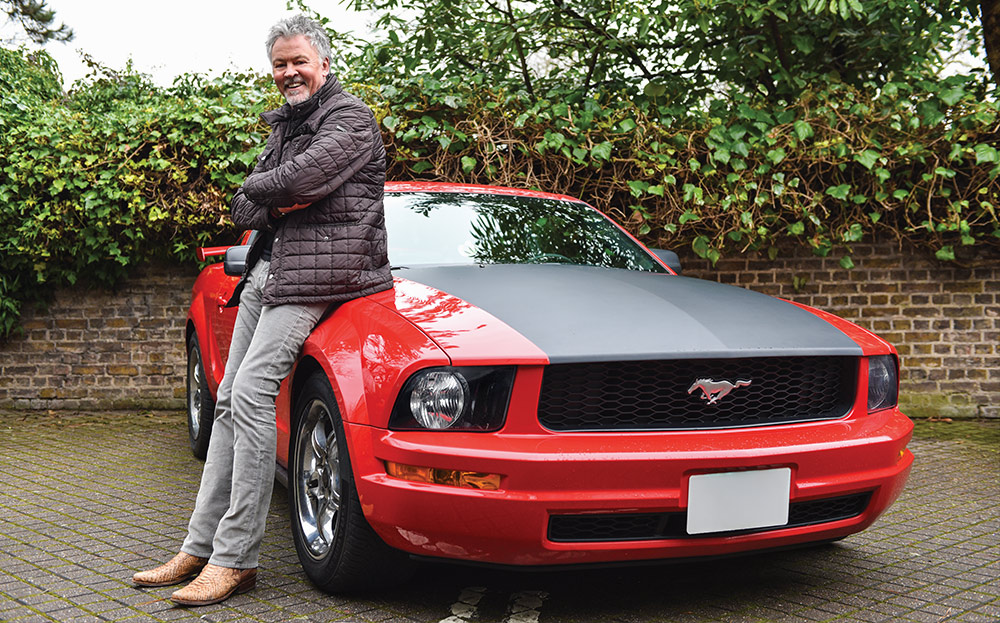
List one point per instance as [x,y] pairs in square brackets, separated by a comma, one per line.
[315,542]
[318,442]
[334,499]
[325,522]
[333,474]
[314,486]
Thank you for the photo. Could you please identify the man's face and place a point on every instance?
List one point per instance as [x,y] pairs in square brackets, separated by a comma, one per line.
[297,68]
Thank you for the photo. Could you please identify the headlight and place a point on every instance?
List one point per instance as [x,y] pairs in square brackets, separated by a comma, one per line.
[883,382]
[437,399]
[463,398]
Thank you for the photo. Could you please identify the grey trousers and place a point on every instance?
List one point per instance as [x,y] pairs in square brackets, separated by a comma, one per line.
[227,525]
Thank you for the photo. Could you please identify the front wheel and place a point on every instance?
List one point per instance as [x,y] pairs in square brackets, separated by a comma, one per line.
[200,406]
[338,550]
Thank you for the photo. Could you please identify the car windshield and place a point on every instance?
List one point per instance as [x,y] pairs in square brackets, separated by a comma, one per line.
[476,228]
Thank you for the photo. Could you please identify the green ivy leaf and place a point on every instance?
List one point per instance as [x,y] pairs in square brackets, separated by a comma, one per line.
[945,254]
[602,151]
[854,233]
[637,187]
[952,95]
[688,216]
[986,153]
[839,192]
[718,135]
[802,130]
[867,158]
[930,114]
[700,246]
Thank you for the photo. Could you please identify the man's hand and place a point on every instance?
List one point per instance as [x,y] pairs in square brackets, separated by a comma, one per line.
[279,212]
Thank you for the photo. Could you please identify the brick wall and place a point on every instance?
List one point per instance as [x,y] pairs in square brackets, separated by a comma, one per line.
[97,349]
[94,349]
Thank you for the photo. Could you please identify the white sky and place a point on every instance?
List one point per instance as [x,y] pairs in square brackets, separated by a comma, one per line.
[167,39]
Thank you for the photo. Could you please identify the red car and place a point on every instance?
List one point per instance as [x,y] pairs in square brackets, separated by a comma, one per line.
[539,389]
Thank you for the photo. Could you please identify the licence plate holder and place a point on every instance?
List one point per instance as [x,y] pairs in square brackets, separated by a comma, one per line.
[728,501]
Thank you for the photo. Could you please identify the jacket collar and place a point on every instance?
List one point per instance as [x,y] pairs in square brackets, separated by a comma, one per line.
[330,89]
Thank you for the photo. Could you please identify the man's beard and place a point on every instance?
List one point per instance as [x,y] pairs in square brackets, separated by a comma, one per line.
[301,94]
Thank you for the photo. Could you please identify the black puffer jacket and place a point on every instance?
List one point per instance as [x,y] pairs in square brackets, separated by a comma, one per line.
[326,152]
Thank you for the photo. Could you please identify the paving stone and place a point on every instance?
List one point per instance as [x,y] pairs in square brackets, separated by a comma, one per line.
[88,499]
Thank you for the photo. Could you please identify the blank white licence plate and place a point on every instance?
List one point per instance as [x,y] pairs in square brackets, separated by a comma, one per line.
[738,500]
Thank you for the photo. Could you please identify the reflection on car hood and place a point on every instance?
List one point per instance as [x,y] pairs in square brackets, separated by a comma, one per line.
[583,313]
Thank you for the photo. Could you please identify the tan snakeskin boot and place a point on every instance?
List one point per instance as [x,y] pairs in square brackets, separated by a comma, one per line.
[215,584]
[179,568]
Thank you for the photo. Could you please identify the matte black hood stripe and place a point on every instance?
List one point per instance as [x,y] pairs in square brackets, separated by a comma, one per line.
[583,313]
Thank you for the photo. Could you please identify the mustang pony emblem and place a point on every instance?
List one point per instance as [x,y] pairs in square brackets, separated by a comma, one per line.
[713,391]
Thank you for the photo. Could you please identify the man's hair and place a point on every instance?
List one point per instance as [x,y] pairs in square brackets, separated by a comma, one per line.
[300,25]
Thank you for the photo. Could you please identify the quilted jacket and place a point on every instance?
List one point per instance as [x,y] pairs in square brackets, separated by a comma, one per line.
[326,152]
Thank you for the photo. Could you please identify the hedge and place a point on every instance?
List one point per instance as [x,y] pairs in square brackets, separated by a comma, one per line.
[118,171]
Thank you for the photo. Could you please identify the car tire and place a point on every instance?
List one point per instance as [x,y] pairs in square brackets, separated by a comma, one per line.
[200,405]
[338,549]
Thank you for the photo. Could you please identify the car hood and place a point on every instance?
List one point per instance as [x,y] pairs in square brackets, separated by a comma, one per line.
[585,313]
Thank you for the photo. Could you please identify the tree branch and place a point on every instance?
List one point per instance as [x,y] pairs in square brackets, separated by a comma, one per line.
[522,59]
[990,17]
[594,28]
[779,44]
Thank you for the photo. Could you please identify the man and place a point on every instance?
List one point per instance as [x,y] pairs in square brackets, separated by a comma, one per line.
[315,198]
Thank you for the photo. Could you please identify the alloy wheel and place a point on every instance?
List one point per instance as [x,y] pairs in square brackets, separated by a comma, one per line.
[318,479]
[194,374]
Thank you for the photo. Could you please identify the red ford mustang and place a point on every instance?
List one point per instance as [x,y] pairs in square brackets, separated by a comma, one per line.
[539,389]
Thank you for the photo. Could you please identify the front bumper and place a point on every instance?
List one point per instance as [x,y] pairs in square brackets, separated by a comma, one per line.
[546,474]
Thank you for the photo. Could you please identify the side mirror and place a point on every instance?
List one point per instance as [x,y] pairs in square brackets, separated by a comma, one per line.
[236,260]
[669,258]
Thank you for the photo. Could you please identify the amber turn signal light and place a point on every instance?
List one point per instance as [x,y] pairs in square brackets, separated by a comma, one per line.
[437,476]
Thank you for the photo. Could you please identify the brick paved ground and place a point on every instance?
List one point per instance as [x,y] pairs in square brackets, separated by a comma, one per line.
[86,500]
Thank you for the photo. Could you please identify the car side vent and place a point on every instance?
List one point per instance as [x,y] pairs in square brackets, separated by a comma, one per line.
[665,395]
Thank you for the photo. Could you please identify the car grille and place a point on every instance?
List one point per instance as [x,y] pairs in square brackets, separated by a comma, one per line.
[653,526]
[653,395]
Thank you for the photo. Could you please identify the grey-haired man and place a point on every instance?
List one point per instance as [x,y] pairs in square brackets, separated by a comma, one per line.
[316,192]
